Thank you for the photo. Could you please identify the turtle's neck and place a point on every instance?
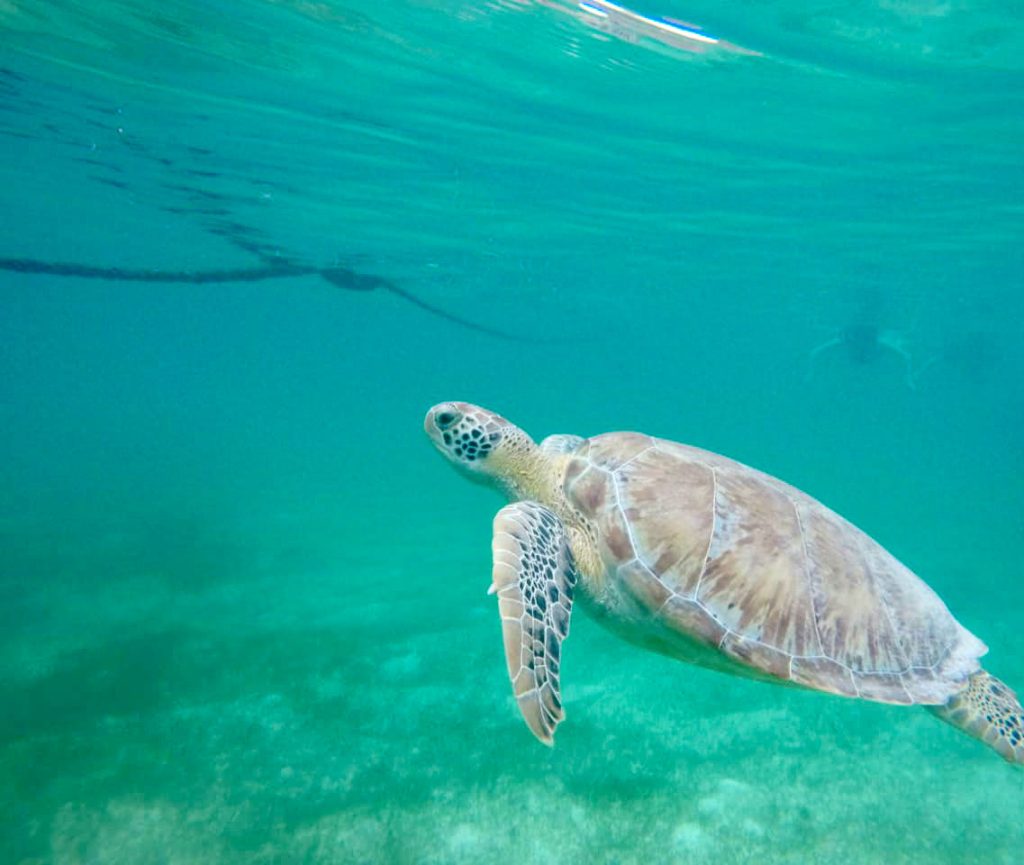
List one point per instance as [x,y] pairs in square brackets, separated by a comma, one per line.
[528,474]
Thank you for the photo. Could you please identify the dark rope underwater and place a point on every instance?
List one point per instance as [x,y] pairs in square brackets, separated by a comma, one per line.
[341,277]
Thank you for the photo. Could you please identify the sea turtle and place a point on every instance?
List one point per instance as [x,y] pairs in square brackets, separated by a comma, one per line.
[691,554]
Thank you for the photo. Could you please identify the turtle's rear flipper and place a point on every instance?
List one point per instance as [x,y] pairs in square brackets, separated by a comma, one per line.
[988,710]
[534,576]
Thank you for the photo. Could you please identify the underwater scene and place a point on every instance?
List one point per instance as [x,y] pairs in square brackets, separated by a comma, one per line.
[247,245]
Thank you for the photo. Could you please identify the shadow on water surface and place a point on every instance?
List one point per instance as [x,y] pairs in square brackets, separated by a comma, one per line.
[337,276]
[142,155]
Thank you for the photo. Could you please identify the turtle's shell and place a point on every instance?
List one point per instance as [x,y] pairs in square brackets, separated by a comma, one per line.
[705,553]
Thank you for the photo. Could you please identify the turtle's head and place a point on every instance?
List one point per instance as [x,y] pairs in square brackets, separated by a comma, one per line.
[479,442]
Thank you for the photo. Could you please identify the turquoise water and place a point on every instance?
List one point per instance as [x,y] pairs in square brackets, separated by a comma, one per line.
[243,610]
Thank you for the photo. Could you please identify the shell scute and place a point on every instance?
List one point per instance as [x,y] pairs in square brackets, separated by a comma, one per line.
[757,655]
[608,452]
[643,586]
[591,491]
[823,674]
[669,507]
[849,594]
[616,542]
[882,686]
[689,619]
[755,578]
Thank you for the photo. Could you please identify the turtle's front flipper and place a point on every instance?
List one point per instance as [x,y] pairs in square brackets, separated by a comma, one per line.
[534,576]
[988,710]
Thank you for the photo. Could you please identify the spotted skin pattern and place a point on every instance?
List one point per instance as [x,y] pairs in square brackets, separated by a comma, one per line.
[467,435]
[988,710]
[534,577]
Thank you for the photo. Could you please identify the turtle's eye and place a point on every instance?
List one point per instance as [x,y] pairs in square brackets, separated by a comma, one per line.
[446,419]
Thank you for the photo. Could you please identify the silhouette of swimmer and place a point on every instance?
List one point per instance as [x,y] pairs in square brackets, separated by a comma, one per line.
[864,343]
[340,277]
